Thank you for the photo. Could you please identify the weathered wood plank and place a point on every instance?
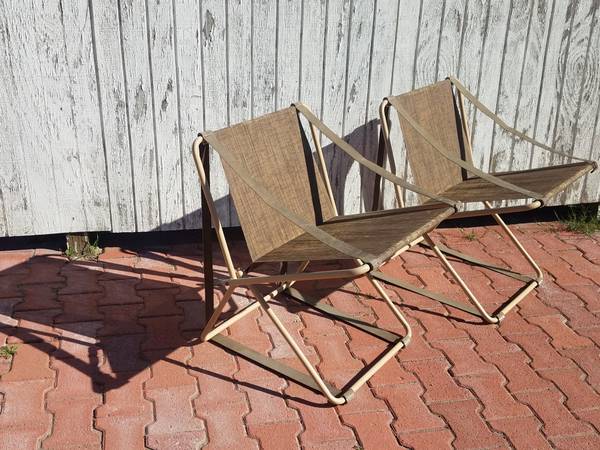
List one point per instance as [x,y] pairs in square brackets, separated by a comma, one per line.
[57,127]
[511,75]
[357,82]
[491,67]
[453,24]
[239,14]
[264,56]
[590,190]
[541,16]
[113,98]
[141,116]
[552,81]
[191,111]
[289,22]
[380,85]
[471,51]
[336,54]
[166,107]
[583,51]
[214,55]
[403,80]
[17,212]
[312,54]
[85,107]
[430,28]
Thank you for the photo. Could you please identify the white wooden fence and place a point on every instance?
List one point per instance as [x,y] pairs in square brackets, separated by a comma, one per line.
[101,99]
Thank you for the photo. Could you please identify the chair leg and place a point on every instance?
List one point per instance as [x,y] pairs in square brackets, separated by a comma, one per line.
[531,283]
[478,310]
[313,379]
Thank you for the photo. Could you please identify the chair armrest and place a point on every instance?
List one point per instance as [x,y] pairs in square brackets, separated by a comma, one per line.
[458,161]
[356,156]
[481,107]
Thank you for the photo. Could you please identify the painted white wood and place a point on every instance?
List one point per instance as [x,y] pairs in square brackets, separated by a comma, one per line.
[541,16]
[115,125]
[17,212]
[289,20]
[590,188]
[312,51]
[264,56]
[357,82]
[491,67]
[334,84]
[122,87]
[552,81]
[430,30]
[453,22]
[380,85]
[510,83]
[239,44]
[141,115]
[191,111]
[166,107]
[577,117]
[403,80]
[474,32]
[214,55]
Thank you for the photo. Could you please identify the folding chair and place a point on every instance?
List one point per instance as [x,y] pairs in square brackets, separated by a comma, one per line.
[438,151]
[288,215]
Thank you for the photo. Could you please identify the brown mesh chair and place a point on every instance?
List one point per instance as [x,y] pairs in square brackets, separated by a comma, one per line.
[438,151]
[288,215]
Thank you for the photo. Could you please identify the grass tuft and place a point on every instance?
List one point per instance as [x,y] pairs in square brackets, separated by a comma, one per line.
[90,252]
[8,351]
[471,236]
[582,221]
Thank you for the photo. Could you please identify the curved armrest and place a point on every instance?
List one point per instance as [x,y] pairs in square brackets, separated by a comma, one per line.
[481,107]
[355,155]
[459,162]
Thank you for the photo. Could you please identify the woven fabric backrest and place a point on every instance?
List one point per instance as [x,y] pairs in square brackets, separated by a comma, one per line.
[433,108]
[274,149]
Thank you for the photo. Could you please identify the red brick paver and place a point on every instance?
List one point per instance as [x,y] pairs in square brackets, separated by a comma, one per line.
[108,356]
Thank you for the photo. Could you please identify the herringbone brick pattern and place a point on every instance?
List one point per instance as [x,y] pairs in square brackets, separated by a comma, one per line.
[108,356]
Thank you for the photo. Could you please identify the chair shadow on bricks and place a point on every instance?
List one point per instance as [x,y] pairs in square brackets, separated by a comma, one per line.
[113,319]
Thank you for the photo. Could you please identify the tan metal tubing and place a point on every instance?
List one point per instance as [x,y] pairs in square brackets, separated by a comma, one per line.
[303,359]
[324,275]
[384,111]
[211,206]
[504,210]
[322,165]
[513,238]
[459,280]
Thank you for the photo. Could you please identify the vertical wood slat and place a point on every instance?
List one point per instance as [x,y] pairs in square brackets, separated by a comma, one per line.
[141,115]
[113,98]
[334,81]
[214,62]
[239,44]
[14,181]
[403,80]
[191,112]
[117,108]
[166,106]
[357,82]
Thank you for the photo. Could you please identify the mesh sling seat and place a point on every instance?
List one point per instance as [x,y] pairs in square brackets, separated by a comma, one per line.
[288,215]
[438,151]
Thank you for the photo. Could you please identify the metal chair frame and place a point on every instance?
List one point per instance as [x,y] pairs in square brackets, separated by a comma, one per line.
[284,284]
[531,281]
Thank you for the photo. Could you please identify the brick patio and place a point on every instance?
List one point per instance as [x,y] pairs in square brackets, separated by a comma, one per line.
[108,356]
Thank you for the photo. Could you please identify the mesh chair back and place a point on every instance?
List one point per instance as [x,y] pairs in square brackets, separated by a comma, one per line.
[274,150]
